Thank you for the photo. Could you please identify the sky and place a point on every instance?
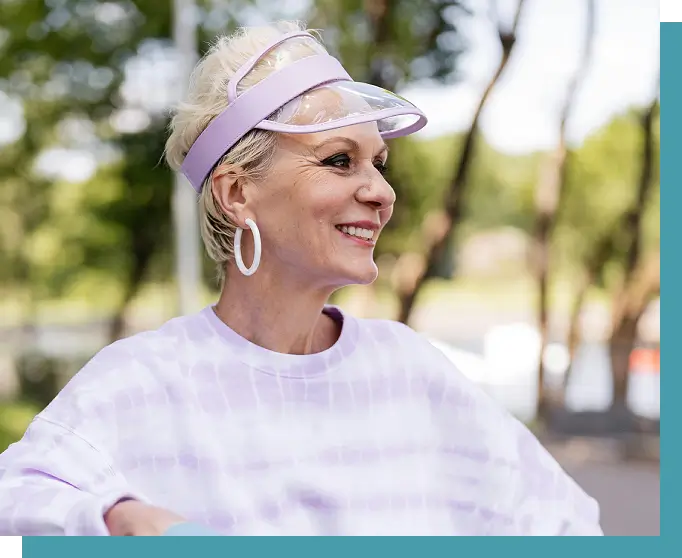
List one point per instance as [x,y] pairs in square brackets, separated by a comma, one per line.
[523,111]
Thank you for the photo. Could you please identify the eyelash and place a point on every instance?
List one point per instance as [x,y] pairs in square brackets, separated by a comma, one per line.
[345,159]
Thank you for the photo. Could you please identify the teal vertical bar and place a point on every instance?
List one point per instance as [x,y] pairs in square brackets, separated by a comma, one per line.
[671,276]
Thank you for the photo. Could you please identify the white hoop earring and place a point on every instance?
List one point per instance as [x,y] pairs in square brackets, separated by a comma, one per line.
[256,248]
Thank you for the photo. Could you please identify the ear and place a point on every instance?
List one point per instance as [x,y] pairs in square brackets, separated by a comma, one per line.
[231,192]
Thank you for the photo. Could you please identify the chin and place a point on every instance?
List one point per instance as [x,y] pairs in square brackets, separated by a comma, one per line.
[362,275]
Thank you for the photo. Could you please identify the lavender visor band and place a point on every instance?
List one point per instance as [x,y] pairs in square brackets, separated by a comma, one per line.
[252,107]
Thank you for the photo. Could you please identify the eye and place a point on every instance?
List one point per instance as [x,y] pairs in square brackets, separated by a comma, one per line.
[341,161]
[381,167]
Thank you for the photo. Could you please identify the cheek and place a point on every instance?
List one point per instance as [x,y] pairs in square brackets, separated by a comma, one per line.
[298,217]
[302,207]
[385,216]
[322,200]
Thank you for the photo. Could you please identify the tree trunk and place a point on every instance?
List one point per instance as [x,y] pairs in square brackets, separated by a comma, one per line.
[630,303]
[453,202]
[595,262]
[142,255]
[380,14]
[574,333]
[645,284]
[549,195]
[620,347]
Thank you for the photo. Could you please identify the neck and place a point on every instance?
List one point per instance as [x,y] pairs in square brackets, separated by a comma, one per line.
[277,314]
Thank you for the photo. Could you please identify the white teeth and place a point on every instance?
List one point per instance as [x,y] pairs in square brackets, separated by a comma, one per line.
[366,234]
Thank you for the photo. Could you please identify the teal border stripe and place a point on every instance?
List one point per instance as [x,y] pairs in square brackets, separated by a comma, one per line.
[671,265]
[335,547]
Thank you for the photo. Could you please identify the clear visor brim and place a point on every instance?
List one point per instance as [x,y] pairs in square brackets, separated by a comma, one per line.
[344,103]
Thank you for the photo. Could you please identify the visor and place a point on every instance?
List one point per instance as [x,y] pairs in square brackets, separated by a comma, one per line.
[303,90]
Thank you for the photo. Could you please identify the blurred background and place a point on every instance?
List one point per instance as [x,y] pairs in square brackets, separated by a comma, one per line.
[525,241]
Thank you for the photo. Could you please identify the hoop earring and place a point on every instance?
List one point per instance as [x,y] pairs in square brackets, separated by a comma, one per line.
[256,249]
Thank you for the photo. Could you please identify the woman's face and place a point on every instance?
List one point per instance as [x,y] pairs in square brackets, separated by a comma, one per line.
[323,205]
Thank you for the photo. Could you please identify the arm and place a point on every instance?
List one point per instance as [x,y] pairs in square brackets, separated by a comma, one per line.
[61,478]
[544,499]
[552,502]
[54,482]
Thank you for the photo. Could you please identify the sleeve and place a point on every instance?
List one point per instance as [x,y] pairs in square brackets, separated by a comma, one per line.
[54,482]
[545,500]
[552,503]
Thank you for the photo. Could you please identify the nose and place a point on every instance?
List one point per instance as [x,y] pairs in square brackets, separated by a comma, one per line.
[376,192]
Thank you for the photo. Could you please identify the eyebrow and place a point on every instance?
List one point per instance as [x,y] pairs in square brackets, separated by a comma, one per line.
[352,143]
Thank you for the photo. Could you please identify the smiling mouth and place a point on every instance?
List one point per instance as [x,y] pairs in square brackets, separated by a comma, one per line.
[358,233]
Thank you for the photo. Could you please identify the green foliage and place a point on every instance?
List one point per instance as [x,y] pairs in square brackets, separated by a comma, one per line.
[421,172]
[388,43]
[603,174]
[65,60]
[603,178]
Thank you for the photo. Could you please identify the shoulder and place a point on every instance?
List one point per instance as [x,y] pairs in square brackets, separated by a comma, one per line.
[414,355]
[548,500]
[127,359]
[411,347]
[125,371]
[394,333]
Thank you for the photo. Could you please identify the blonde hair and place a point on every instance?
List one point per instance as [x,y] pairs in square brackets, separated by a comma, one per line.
[206,99]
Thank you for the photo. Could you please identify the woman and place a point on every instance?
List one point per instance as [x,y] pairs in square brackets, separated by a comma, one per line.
[272,412]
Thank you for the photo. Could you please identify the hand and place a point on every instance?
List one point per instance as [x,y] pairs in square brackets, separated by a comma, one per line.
[131,518]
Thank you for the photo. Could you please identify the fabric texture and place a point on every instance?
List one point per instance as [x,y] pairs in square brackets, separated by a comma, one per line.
[378,435]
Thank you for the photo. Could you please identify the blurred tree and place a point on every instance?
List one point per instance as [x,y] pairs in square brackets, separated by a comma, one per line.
[438,227]
[593,267]
[550,194]
[66,61]
[84,61]
[641,271]
[390,43]
[600,188]
[24,208]
[611,199]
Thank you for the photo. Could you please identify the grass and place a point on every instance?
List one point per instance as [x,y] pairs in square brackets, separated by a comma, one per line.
[154,299]
[514,293]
